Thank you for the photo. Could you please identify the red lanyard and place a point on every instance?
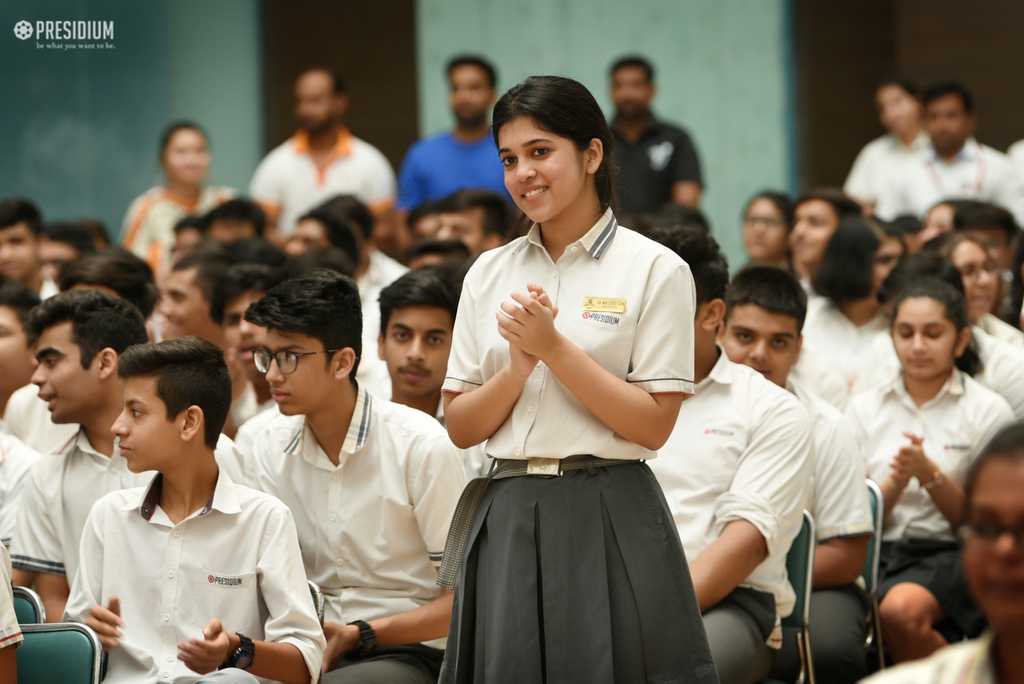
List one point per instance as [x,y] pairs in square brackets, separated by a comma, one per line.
[979,178]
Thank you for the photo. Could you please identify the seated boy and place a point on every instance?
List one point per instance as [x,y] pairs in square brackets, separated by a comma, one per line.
[736,472]
[372,485]
[195,572]
[765,309]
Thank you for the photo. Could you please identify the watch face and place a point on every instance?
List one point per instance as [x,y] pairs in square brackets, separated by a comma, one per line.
[244,661]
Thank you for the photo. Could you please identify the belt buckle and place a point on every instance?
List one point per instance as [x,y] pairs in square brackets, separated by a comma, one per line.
[543,467]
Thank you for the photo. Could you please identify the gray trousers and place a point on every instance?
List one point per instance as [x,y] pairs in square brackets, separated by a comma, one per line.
[378,672]
[737,643]
[838,629]
[229,676]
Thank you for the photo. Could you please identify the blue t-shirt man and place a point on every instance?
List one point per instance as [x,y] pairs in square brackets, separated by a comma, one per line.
[436,167]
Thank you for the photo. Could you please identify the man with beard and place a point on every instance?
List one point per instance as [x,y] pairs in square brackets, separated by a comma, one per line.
[465,157]
[321,160]
[657,162]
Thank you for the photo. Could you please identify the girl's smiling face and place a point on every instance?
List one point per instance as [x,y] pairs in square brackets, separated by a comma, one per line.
[545,173]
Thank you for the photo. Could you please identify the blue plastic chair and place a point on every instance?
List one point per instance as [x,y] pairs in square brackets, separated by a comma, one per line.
[28,606]
[870,574]
[800,566]
[59,653]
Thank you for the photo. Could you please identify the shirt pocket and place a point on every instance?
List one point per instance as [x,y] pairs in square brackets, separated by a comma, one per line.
[231,598]
[605,337]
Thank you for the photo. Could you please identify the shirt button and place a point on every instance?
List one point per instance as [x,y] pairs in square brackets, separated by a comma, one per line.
[334,518]
[167,617]
[555,274]
[170,659]
[165,675]
[530,408]
[573,248]
[340,562]
[176,533]
[115,470]
[170,573]
[336,476]
[538,363]
[519,452]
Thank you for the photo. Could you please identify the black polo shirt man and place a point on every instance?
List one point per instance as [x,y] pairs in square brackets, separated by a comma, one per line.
[657,162]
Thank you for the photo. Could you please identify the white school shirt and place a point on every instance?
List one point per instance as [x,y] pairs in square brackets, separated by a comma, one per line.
[61,489]
[650,344]
[839,498]
[290,180]
[250,429]
[373,528]
[27,418]
[867,176]
[968,662]
[976,172]
[741,450]
[821,380]
[373,370]
[10,631]
[1000,329]
[836,342]
[236,559]
[955,425]
[16,460]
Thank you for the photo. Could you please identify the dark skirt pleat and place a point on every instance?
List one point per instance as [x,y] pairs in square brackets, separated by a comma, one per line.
[576,578]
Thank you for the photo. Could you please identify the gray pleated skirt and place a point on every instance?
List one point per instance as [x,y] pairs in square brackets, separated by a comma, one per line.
[577,578]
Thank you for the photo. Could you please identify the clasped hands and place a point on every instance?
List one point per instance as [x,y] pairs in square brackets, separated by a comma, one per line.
[529,328]
[910,461]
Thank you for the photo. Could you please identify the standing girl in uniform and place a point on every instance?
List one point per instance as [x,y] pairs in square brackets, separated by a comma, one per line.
[572,353]
[921,432]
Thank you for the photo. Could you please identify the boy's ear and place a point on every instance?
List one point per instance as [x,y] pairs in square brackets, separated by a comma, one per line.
[380,346]
[341,364]
[106,363]
[193,424]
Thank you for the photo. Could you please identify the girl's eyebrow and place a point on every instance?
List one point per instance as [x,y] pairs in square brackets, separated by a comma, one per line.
[527,144]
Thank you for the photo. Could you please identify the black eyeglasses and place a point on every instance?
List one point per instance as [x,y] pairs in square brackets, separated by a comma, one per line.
[287,361]
[987,534]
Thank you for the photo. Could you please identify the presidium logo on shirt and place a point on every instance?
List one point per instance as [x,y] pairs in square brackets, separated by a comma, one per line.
[225,581]
[598,308]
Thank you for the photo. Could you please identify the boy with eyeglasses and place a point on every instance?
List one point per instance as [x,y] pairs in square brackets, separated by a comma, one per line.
[372,485]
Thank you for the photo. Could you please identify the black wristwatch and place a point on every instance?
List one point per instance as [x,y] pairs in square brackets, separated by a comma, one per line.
[367,639]
[243,656]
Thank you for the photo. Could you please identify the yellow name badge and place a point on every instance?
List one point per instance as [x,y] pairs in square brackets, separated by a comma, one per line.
[604,304]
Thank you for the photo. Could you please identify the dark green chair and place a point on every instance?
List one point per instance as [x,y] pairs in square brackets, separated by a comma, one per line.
[800,567]
[60,653]
[28,606]
[870,574]
[318,600]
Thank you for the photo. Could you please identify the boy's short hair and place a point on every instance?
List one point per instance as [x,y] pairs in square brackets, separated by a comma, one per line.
[191,222]
[337,230]
[943,88]
[98,320]
[452,250]
[19,298]
[427,286]
[15,210]
[770,288]
[317,258]
[210,264]
[70,233]
[497,215]
[118,269]
[350,208]
[633,61]
[238,209]
[321,304]
[700,251]
[190,372]
[242,278]
[473,60]
[257,251]
[975,215]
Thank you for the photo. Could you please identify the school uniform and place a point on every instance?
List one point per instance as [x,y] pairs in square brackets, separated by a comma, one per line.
[970,662]
[741,450]
[10,631]
[836,342]
[61,489]
[919,544]
[579,577]
[27,418]
[841,508]
[823,380]
[16,460]
[236,559]
[373,370]
[372,529]
[1000,329]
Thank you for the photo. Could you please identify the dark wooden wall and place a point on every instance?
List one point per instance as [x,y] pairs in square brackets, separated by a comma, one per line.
[371,44]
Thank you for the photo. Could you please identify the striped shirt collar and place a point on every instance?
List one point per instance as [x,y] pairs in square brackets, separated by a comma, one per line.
[954,386]
[358,428]
[595,241]
[223,498]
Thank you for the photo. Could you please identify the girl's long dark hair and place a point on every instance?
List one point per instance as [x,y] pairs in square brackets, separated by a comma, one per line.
[955,310]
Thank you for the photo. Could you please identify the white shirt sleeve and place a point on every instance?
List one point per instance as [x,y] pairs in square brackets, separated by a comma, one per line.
[13,474]
[10,631]
[87,584]
[380,178]
[464,373]
[36,545]
[436,486]
[862,183]
[266,186]
[662,356]
[1006,189]
[841,507]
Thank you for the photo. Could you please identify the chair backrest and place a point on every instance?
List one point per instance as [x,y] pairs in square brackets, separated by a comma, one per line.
[870,573]
[59,653]
[28,606]
[318,600]
[800,566]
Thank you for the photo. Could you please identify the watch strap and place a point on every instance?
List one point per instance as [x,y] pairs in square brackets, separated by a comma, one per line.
[367,639]
[937,480]
[243,656]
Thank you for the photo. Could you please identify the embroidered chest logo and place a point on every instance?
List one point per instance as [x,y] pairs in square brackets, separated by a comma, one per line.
[226,581]
[957,447]
[660,154]
[719,431]
[601,318]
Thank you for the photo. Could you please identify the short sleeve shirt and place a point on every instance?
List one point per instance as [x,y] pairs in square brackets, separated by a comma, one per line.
[955,425]
[436,167]
[626,301]
[290,181]
[10,631]
[148,228]
[867,177]
[373,528]
[236,559]
[741,450]
[648,169]
[16,460]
